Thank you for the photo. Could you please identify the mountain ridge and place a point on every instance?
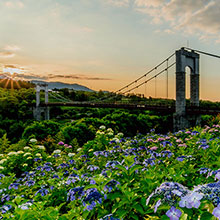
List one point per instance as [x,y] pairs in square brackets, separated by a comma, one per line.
[61,85]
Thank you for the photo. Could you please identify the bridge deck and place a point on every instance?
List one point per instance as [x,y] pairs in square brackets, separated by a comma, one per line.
[167,109]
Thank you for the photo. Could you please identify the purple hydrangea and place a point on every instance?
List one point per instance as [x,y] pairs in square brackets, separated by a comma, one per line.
[173,213]
[216,212]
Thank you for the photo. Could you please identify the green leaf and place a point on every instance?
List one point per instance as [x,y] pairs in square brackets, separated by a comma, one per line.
[164,217]
[134,216]
[139,208]
[120,167]
[136,167]
[184,217]
[122,212]
[189,212]
[206,216]
[115,195]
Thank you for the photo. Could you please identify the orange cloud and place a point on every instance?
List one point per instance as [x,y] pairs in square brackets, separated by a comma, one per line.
[6,54]
[72,76]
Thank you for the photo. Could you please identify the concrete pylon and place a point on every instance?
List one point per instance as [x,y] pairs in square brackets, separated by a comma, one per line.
[38,109]
[186,58]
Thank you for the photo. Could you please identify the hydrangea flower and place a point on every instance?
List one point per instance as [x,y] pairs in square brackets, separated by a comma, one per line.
[56,151]
[41,147]
[216,212]
[12,153]
[173,213]
[109,217]
[14,186]
[92,168]
[30,183]
[5,208]
[25,206]
[27,148]
[71,195]
[157,205]
[2,161]
[102,127]
[42,192]
[33,140]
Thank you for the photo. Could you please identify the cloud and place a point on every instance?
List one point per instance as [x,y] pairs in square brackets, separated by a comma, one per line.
[11,48]
[11,70]
[200,17]
[30,76]
[14,4]
[9,51]
[72,76]
[6,54]
[168,31]
[147,3]
[118,3]
[10,66]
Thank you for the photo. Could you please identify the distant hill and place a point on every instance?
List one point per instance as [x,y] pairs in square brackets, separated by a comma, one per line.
[60,85]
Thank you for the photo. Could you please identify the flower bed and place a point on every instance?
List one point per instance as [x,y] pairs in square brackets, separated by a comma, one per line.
[174,176]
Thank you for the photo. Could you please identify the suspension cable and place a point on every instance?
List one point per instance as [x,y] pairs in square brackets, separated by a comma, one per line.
[149,79]
[135,81]
[202,52]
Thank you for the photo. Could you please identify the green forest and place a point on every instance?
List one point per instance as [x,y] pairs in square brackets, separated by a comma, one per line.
[73,124]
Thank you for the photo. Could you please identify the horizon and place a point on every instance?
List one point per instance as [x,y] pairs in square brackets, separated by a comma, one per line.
[105,44]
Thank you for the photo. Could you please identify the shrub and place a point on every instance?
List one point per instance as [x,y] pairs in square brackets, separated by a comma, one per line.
[80,131]
[41,129]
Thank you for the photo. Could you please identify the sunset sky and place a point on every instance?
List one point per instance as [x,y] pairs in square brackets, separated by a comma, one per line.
[104,44]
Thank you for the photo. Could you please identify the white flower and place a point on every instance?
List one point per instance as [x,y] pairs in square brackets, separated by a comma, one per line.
[57,152]
[25,165]
[38,155]
[79,149]
[27,148]
[1,155]
[102,127]
[27,154]
[110,130]
[20,152]
[41,147]
[25,206]
[100,132]
[71,154]
[116,140]
[120,134]
[29,158]
[2,161]
[33,140]
[12,153]
[1,168]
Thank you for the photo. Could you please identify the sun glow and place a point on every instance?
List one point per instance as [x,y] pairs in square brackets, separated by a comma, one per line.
[11,71]
[10,75]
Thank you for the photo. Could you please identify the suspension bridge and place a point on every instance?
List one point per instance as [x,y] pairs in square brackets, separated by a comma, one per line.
[184,116]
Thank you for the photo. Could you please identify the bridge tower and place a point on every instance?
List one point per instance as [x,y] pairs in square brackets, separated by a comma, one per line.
[186,58]
[38,110]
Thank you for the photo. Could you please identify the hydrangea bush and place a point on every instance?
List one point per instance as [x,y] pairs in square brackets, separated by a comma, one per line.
[173,176]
